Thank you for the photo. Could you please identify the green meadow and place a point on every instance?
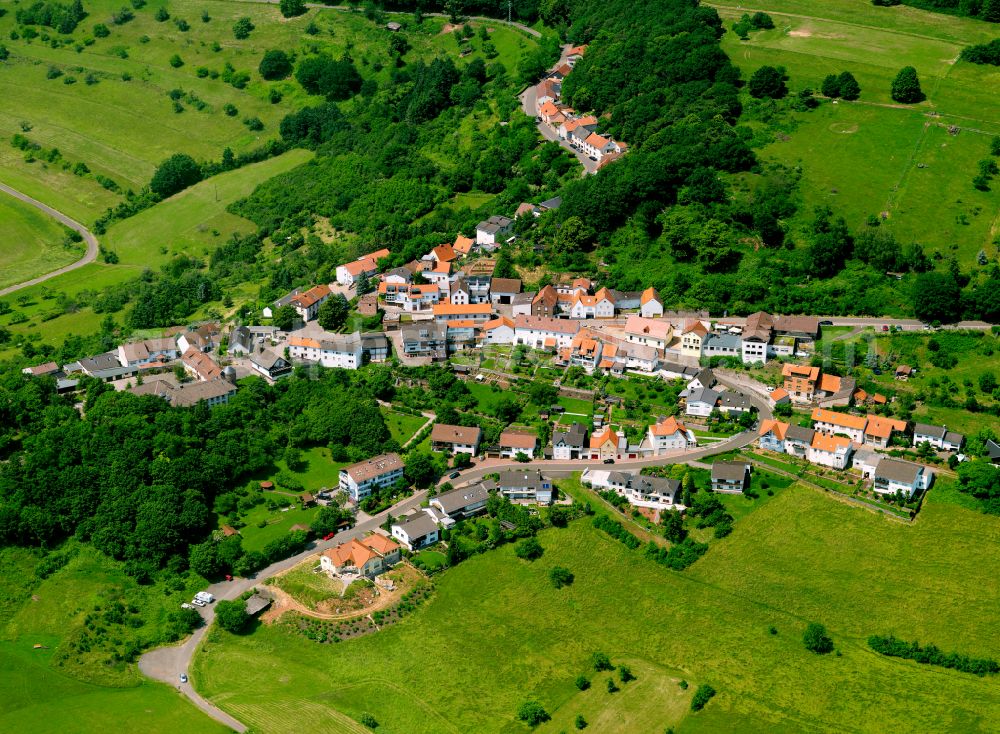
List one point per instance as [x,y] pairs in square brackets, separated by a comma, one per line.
[193,222]
[50,689]
[32,242]
[873,155]
[464,661]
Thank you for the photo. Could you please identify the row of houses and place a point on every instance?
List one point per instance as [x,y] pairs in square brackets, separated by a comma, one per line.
[568,442]
[837,451]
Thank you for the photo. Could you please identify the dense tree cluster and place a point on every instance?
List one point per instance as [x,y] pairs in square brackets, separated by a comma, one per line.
[932,655]
[138,478]
[59,17]
[983,53]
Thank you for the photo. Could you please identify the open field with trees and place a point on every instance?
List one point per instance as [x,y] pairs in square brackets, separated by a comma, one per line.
[33,242]
[59,686]
[799,558]
[872,156]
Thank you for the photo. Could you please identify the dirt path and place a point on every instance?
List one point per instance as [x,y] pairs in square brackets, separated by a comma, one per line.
[87,235]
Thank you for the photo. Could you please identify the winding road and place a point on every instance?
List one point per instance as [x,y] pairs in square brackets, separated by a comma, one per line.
[87,235]
[167,663]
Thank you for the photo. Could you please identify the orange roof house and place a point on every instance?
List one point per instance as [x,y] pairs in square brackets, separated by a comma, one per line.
[444,253]
[463,245]
[648,295]
[668,427]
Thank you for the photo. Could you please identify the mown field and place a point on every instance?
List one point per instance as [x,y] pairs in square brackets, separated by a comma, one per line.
[193,223]
[874,156]
[469,657]
[45,691]
[30,242]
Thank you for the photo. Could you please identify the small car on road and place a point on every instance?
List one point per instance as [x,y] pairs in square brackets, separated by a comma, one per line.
[184,678]
[455,475]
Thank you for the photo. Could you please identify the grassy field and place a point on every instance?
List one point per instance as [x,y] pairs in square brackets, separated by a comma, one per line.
[309,587]
[46,691]
[402,426]
[873,155]
[278,524]
[796,559]
[32,242]
[193,222]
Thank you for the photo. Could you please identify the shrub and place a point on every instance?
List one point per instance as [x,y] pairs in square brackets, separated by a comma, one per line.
[625,673]
[612,687]
[101,30]
[176,61]
[580,722]
[816,640]
[242,28]
[368,720]
[528,549]
[231,615]
[532,713]
[601,662]
[275,65]
[582,682]
[702,696]
[560,577]
[230,109]
[253,123]
[161,15]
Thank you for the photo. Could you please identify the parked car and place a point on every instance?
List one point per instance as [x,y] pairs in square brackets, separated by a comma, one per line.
[328,536]
[885,327]
[455,475]
[609,461]
[184,678]
[592,158]
[198,602]
[826,323]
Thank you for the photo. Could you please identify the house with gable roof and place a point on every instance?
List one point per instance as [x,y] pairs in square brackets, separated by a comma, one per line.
[669,434]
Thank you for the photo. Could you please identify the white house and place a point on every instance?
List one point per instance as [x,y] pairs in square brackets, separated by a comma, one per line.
[892,476]
[361,479]
[493,231]
[670,435]
[416,532]
[462,502]
[348,273]
[829,421]
[598,306]
[937,436]
[513,443]
[456,439]
[648,332]
[333,350]
[498,331]
[830,451]
[307,304]
[650,305]
[599,146]
[524,485]
[545,332]
[368,556]
[701,402]
[569,444]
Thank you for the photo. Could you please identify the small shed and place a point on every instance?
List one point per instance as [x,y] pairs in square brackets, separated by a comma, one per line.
[393,26]
[229,531]
[307,500]
[267,486]
[257,604]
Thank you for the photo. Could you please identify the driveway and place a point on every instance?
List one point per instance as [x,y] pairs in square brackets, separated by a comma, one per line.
[167,663]
[87,235]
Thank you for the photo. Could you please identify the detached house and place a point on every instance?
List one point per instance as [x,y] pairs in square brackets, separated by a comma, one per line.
[307,304]
[456,439]
[937,436]
[607,444]
[271,365]
[463,502]
[416,532]
[648,332]
[498,331]
[361,479]
[369,556]
[541,332]
[569,444]
[348,273]
[513,443]
[200,365]
[477,312]
[800,382]
[786,438]
[525,486]
[670,435]
[880,430]
[493,231]
[691,339]
[730,477]
[892,476]
[333,350]
[701,402]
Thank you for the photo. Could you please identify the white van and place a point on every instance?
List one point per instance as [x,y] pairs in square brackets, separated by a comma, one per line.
[205,597]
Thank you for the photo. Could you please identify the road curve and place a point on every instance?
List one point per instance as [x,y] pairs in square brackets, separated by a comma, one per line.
[87,235]
[167,663]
